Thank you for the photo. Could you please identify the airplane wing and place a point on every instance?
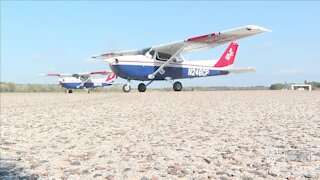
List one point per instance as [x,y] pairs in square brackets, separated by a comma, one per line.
[94,73]
[210,40]
[82,75]
[196,43]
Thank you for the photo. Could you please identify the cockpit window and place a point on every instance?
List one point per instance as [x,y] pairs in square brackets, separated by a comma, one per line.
[152,53]
[163,56]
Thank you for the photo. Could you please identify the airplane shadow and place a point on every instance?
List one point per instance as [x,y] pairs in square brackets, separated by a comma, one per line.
[10,170]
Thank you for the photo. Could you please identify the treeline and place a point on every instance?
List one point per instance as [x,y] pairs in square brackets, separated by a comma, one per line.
[279,86]
[218,88]
[12,87]
[7,87]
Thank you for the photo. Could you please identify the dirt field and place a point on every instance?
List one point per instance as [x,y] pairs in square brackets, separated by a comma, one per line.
[161,135]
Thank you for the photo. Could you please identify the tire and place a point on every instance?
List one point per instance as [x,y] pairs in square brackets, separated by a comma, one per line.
[177,86]
[142,87]
[70,91]
[126,88]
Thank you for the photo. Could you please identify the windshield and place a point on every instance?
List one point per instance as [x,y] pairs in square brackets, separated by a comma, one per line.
[143,51]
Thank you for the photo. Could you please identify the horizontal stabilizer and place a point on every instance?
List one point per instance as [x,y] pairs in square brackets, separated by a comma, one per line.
[58,75]
[241,70]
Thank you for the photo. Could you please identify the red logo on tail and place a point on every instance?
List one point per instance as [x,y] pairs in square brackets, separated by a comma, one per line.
[111,77]
[228,56]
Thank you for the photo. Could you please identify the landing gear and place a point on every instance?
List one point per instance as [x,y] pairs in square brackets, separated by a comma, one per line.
[68,91]
[177,86]
[126,88]
[86,89]
[142,87]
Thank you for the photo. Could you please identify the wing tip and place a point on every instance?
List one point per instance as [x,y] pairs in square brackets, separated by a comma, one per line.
[253,69]
[96,56]
[256,27]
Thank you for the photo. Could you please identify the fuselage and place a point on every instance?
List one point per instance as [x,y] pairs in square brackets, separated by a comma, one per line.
[138,67]
[75,83]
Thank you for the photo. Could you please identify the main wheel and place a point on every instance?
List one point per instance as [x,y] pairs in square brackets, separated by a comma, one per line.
[126,88]
[177,86]
[70,91]
[142,87]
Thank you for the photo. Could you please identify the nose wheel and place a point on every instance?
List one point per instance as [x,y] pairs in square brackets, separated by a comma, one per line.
[177,86]
[126,88]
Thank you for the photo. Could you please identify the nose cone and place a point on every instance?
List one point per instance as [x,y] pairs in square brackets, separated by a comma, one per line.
[109,61]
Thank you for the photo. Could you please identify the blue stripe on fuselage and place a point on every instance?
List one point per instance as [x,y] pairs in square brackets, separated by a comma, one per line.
[140,72]
[71,85]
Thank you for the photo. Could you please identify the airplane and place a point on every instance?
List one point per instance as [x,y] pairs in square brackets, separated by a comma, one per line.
[84,80]
[165,62]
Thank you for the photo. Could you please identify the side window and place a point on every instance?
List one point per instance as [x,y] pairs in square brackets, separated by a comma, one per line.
[163,56]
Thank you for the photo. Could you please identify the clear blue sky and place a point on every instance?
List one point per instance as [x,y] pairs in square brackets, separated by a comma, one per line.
[60,37]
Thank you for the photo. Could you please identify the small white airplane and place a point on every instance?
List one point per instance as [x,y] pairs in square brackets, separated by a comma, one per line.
[165,62]
[84,80]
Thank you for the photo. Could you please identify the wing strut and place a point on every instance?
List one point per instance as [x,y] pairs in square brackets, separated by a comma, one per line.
[84,81]
[152,76]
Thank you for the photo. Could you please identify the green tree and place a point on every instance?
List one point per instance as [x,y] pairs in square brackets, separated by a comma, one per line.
[277,86]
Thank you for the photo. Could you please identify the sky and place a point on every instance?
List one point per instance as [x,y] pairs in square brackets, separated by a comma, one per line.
[61,36]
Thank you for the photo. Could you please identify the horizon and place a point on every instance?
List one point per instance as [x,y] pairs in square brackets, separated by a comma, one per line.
[189,86]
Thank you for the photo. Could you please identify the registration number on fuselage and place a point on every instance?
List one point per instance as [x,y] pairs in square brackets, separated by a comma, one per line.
[197,72]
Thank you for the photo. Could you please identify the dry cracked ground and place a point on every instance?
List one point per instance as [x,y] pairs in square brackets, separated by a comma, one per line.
[161,135]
